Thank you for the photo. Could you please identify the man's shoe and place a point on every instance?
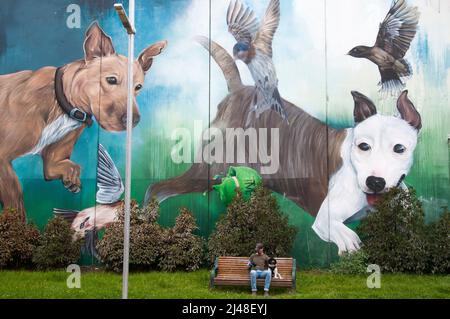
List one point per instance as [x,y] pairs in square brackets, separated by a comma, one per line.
[266,294]
[253,293]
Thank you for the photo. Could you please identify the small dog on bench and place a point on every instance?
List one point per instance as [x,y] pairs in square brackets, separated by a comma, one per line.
[272,262]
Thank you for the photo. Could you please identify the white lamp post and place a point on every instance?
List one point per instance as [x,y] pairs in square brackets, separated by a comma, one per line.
[128,24]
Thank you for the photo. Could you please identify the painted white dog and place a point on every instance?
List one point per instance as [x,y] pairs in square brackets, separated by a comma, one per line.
[377,154]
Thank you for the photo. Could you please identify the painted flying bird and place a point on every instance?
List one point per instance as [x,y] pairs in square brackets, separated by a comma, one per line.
[393,40]
[87,222]
[254,48]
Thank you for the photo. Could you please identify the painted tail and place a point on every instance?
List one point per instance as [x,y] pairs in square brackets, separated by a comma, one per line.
[225,62]
[196,178]
[392,80]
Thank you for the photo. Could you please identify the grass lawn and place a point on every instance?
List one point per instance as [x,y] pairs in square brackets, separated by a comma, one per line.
[310,284]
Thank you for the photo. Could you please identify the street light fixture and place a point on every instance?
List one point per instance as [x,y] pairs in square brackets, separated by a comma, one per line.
[124,18]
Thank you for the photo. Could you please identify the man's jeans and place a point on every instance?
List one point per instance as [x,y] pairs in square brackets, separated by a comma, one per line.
[256,274]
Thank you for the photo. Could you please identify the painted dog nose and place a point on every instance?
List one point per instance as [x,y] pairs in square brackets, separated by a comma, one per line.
[136,119]
[375,184]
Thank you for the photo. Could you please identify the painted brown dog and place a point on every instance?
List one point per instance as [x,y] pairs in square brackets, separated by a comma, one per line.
[306,185]
[33,122]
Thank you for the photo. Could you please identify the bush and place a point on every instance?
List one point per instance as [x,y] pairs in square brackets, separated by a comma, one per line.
[438,244]
[110,247]
[248,222]
[394,234]
[17,240]
[149,213]
[56,248]
[181,248]
[145,238]
[354,263]
[152,246]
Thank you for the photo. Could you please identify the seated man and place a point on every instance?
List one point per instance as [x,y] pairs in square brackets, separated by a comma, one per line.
[258,263]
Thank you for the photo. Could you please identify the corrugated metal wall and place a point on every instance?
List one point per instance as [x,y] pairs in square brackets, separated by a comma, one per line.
[184,86]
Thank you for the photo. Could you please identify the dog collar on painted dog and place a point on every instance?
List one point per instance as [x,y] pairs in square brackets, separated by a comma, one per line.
[73,112]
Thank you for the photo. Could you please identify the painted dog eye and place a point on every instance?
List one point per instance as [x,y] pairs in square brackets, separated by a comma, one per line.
[364,147]
[111,80]
[138,87]
[399,148]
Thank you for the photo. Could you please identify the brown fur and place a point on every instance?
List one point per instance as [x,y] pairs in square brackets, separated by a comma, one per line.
[304,166]
[309,149]
[28,104]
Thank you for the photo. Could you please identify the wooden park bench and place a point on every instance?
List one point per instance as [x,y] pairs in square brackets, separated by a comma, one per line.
[233,271]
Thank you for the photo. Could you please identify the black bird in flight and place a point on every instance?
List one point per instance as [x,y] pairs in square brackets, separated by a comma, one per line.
[393,40]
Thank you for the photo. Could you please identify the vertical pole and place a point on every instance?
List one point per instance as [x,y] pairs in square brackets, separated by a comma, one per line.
[327,145]
[126,241]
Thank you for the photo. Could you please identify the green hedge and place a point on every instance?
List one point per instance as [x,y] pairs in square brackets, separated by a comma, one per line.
[396,238]
[152,246]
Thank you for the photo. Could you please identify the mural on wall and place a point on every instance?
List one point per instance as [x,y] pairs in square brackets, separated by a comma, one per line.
[271,96]
[60,103]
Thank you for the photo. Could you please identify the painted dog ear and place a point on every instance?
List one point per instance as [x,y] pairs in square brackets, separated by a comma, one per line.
[97,43]
[408,112]
[145,59]
[364,107]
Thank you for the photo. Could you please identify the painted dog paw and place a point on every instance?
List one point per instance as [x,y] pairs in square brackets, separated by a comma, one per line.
[71,178]
[345,238]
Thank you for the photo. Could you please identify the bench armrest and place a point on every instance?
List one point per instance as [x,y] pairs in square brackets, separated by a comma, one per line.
[213,273]
[294,274]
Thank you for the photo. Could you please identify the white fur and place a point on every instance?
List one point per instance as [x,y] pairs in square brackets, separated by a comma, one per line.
[276,274]
[344,199]
[347,187]
[382,133]
[54,132]
[97,217]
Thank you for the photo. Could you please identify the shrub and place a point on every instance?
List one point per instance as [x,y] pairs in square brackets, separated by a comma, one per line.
[248,222]
[438,244]
[110,247]
[17,240]
[354,263]
[145,238]
[394,234]
[181,248]
[149,213]
[56,248]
